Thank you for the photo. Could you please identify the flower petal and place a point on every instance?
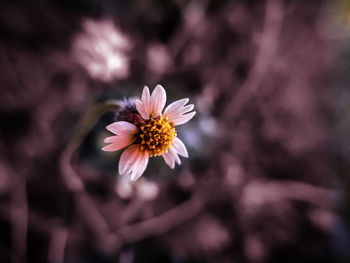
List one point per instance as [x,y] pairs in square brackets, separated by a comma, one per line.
[187,108]
[175,156]
[125,135]
[180,147]
[139,166]
[151,105]
[141,108]
[158,99]
[110,139]
[183,118]
[118,142]
[133,161]
[171,157]
[145,95]
[127,158]
[122,127]
[175,105]
[178,113]
[146,101]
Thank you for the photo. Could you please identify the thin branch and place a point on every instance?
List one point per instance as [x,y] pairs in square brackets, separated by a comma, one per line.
[59,236]
[86,206]
[258,192]
[18,80]
[19,219]
[266,52]
[71,179]
[161,224]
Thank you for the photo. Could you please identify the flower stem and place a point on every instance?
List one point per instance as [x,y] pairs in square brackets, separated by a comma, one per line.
[88,121]
[83,128]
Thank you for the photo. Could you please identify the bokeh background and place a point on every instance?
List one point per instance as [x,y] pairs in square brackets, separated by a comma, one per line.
[268,176]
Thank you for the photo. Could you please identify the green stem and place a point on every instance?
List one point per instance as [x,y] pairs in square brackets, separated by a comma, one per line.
[87,122]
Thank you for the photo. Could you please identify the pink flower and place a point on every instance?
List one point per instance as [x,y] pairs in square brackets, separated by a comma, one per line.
[152,133]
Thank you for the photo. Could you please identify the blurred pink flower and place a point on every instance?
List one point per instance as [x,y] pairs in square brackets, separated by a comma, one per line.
[101,50]
[152,134]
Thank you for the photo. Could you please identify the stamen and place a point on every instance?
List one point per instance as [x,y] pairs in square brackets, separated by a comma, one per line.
[156,136]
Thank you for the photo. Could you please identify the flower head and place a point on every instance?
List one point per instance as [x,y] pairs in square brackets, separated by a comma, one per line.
[148,132]
[101,49]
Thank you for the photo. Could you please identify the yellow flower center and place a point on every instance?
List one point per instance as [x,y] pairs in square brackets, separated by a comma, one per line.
[156,136]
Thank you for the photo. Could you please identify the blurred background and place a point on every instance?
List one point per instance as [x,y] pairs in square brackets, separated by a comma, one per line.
[268,176]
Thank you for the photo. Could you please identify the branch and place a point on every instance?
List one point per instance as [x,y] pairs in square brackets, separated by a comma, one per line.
[86,206]
[259,192]
[71,179]
[59,236]
[266,53]
[161,224]
[19,219]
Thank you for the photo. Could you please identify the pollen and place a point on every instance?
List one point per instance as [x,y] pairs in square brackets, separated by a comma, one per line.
[156,136]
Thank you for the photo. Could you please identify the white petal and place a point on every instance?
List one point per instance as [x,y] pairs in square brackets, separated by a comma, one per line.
[175,105]
[169,159]
[180,147]
[110,139]
[145,94]
[175,155]
[118,142]
[133,161]
[139,166]
[183,118]
[179,112]
[187,108]
[122,127]
[158,99]
[146,101]
[127,158]
[141,108]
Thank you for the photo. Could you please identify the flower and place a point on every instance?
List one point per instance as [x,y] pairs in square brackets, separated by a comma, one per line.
[149,132]
[101,49]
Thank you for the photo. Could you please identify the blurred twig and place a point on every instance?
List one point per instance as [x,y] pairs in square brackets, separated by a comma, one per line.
[266,52]
[161,224]
[73,181]
[24,219]
[86,206]
[59,236]
[17,78]
[258,192]
[19,219]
